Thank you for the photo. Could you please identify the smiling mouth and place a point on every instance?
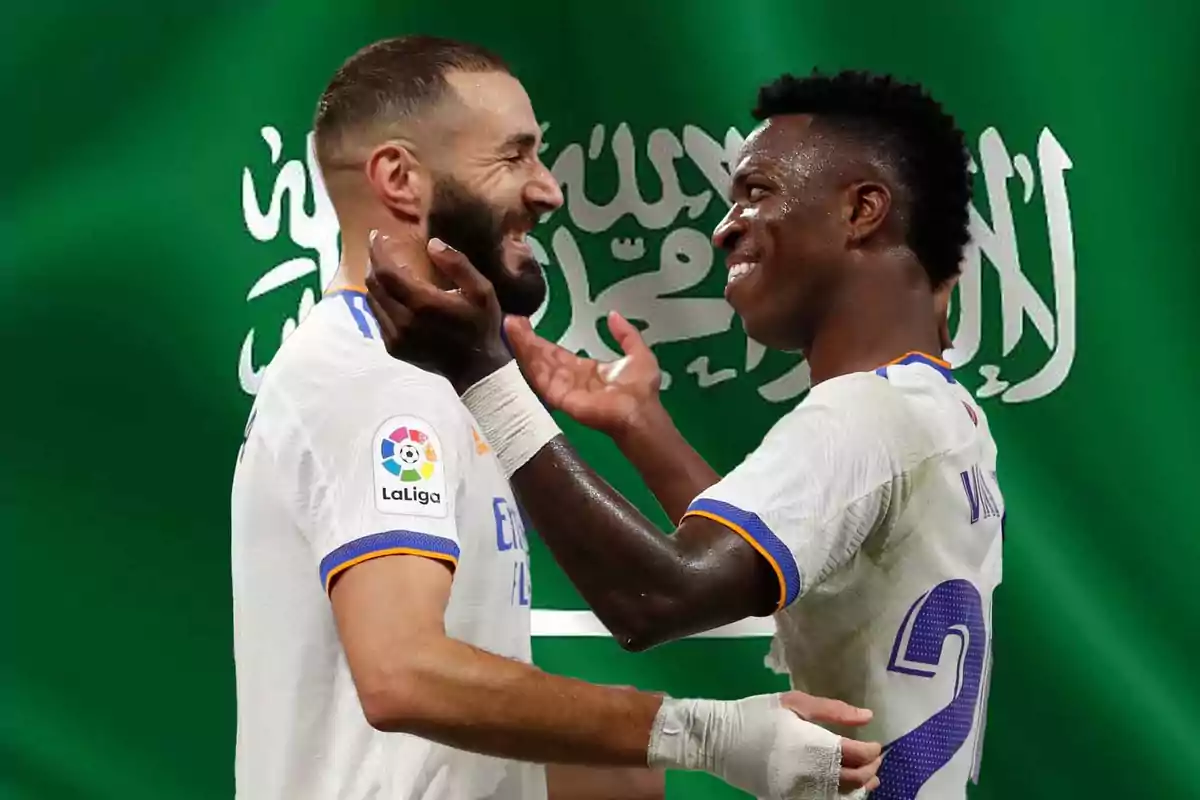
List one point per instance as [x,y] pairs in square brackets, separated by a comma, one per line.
[739,271]
[518,242]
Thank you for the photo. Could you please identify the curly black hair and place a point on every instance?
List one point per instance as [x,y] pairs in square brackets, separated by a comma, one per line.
[909,129]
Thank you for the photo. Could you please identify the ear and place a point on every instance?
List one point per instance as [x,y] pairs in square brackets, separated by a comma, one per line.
[867,206]
[398,179]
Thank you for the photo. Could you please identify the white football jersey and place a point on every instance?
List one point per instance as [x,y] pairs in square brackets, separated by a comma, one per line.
[351,455]
[876,502]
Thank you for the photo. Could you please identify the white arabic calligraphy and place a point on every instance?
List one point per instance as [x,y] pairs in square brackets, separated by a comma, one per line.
[318,231]
[1018,297]
[657,298]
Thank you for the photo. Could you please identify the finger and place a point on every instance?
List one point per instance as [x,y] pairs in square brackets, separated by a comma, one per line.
[825,710]
[851,779]
[393,277]
[458,268]
[524,342]
[626,334]
[519,333]
[390,315]
[857,754]
[529,351]
[402,288]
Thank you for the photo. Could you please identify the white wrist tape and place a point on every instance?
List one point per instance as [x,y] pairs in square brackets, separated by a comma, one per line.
[754,744]
[513,420]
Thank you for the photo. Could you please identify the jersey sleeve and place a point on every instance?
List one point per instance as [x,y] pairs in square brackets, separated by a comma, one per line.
[826,477]
[387,469]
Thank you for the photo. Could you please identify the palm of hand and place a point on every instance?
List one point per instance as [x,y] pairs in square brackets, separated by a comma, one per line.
[604,396]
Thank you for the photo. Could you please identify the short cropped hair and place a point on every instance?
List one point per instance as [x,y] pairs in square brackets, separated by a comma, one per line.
[389,81]
[911,132]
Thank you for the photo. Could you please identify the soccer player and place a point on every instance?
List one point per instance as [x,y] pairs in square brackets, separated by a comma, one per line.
[380,568]
[869,519]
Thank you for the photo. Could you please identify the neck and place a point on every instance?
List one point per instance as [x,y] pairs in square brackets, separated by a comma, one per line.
[868,329]
[407,249]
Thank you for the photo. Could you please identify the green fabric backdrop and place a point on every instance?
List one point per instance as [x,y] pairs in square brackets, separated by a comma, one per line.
[157,208]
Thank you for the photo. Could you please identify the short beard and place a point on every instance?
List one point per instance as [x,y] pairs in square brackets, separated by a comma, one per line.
[470,225]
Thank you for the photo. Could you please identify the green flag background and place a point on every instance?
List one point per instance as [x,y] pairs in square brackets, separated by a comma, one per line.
[161,234]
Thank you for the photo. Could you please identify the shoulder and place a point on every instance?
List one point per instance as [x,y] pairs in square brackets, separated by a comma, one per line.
[333,378]
[868,415]
[328,358]
[859,401]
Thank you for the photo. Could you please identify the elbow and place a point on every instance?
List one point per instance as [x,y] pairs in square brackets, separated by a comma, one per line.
[665,617]
[390,700]
[648,627]
[636,643]
[643,639]
[382,713]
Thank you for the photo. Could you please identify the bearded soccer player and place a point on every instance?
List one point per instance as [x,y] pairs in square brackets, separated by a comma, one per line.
[380,569]
[869,519]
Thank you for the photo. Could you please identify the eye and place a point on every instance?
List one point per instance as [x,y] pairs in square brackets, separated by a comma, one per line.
[756,193]
[516,158]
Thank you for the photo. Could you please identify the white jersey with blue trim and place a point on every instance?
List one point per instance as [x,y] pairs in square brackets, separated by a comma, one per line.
[351,455]
[876,502]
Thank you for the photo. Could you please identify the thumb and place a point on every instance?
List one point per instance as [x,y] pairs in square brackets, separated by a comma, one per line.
[534,355]
[521,337]
[626,334]
[824,710]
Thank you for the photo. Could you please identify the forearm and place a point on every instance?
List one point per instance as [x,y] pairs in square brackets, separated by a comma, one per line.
[453,693]
[574,782]
[670,467]
[645,587]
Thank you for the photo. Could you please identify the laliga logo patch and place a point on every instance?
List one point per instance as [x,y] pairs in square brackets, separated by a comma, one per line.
[408,454]
[409,475]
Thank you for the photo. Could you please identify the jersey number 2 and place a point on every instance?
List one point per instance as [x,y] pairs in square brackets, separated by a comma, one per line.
[952,608]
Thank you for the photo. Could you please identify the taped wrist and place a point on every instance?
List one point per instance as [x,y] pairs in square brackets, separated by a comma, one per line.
[512,419]
[682,735]
[754,744]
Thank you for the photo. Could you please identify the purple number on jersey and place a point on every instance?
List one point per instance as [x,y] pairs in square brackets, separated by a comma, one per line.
[948,609]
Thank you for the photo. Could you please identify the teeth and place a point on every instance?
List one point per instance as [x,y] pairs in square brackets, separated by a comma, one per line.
[739,271]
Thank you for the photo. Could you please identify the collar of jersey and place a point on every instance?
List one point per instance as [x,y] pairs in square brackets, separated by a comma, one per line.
[917,357]
[346,290]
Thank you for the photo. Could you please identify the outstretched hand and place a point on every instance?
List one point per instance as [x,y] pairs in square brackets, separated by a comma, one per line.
[454,332]
[610,397]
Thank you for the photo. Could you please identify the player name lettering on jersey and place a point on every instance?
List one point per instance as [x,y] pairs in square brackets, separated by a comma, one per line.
[980,498]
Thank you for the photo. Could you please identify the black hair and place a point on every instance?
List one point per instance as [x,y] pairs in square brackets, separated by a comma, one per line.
[915,136]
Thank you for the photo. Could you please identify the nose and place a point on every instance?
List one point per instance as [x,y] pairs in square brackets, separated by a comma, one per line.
[543,192]
[729,229]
